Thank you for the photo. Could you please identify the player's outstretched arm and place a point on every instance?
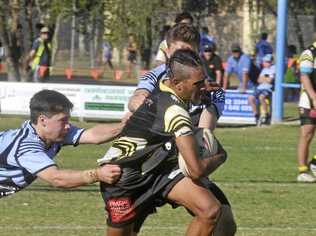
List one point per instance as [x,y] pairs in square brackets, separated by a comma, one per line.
[137,99]
[74,178]
[101,133]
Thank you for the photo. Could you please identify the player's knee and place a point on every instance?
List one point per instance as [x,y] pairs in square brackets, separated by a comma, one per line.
[226,225]
[209,213]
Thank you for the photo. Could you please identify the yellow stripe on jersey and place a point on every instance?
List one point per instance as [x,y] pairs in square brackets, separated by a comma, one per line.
[128,145]
[175,117]
[306,56]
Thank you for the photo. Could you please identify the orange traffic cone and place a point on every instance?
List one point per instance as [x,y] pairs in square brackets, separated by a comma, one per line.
[95,73]
[42,71]
[118,74]
[68,73]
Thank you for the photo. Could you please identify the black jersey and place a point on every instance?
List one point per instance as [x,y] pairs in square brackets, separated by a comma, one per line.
[157,122]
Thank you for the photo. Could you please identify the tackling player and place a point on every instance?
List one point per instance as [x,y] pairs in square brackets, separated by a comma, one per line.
[27,153]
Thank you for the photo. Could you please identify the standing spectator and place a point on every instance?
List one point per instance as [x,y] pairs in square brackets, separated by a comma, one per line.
[206,39]
[212,63]
[263,47]
[240,64]
[307,111]
[40,56]
[107,55]
[263,90]
[131,54]
[161,56]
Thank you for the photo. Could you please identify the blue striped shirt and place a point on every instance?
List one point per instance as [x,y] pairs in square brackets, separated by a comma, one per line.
[150,82]
[23,154]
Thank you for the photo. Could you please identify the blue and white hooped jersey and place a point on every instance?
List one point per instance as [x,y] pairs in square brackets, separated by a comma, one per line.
[23,154]
[150,82]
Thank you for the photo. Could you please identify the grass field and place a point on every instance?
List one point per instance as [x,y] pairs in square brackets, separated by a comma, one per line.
[259,179]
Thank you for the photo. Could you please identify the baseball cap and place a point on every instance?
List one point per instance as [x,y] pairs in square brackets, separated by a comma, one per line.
[44,30]
[210,47]
[236,47]
[267,58]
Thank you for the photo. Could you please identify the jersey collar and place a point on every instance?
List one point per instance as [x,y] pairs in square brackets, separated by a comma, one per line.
[165,88]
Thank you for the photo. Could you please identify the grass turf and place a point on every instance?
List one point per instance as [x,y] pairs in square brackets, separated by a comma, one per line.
[258,178]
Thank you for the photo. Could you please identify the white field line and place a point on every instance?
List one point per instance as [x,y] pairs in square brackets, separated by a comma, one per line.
[265,184]
[152,228]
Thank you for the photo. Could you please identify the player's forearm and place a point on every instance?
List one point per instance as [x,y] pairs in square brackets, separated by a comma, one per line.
[245,79]
[225,81]
[73,178]
[218,76]
[102,133]
[211,164]
[137,99]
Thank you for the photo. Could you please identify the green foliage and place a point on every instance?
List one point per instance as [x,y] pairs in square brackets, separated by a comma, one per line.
[123,17]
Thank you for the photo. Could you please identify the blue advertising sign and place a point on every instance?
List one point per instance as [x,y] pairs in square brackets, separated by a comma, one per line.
[237,109]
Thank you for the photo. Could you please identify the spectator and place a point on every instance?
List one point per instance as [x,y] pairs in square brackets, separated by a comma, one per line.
[212,63]
[263,47]
[161,55]
[240,64]
[307,111]
[27,153]
[107,55]
[40,56]
[206,39]
[292,74]
[131,54]
[263,90]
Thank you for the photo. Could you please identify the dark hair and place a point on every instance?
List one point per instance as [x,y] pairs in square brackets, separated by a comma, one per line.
[185,33]
[48,102]
[177,65]
[205,30]
[264,36]
[183,16]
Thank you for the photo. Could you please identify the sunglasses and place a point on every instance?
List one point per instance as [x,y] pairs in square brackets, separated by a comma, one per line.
[199,82]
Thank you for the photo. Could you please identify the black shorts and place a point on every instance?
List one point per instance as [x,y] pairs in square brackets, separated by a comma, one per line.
[135,196]
[217,192]
[305,117]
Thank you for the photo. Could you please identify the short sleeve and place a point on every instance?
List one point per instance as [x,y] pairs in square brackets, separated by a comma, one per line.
[218,63]
[35,161]
[73,136]
[177,121]
[150,80]
[306,61]
[230,67]
[246,64]
[35,45]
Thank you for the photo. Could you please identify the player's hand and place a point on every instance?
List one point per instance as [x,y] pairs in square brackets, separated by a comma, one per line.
[109,173]
[126,117]
[211,86]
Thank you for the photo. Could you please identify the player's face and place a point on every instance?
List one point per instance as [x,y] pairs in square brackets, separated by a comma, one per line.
[174,46]
[192,87]
[55,127]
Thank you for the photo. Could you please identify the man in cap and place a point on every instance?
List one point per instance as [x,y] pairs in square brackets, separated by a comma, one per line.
[212,63]
[40,56]
[240,64]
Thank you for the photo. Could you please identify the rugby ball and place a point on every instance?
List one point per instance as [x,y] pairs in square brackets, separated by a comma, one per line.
[207,147]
